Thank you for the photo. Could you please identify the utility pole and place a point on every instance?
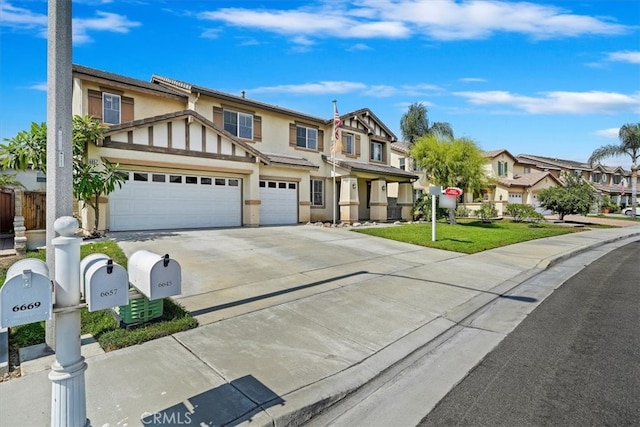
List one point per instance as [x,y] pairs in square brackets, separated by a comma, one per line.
[59,126]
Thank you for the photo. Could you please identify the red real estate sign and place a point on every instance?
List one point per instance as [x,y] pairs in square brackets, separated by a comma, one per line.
[452,191]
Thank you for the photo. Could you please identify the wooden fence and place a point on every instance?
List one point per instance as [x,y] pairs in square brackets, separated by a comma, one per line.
[34,210]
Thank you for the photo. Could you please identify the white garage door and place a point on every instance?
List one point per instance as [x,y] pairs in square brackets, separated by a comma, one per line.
[278,203]
[515,198]
[156,201]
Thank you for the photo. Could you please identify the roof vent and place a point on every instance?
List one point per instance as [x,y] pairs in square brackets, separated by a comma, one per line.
[242,94]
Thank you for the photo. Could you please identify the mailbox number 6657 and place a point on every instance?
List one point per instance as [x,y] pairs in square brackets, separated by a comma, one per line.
[24,307]
[109,293]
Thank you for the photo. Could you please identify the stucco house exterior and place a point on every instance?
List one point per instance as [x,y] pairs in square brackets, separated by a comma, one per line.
[196,157]
[614,182]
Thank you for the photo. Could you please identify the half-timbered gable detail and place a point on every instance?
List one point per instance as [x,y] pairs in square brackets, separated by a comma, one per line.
[183,133]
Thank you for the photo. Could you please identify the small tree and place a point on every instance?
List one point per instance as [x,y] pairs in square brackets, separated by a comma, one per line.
[574,197]
[450,162]
[29,149]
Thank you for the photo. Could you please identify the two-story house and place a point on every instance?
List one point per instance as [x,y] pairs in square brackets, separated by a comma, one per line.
[614,182]
[196,157]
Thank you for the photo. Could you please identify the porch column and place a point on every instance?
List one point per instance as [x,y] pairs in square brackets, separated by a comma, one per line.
[405,200]
[251,211]
[349,201]
[19,230]
[378,201]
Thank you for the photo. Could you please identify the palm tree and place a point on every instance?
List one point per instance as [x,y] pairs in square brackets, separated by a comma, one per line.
[629,135]
[415,123]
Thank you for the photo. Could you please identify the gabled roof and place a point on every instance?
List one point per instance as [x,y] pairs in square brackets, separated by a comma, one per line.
[495,153]
[355,166]
[120,81]
[528,179]
[402,147]
[611,169]
[195,89]
[363,112]
[186,114]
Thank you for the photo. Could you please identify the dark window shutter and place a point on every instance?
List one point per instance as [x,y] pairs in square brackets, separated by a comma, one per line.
[126,105]
[257,128]
[292,134]
[217,117]
[343,145]
[358,145]
[95,104]
[320,140]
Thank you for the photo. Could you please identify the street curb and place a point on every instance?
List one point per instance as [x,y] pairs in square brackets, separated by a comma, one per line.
[331,390]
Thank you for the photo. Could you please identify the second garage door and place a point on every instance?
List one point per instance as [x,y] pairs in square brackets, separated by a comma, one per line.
[156,201]
[278,202]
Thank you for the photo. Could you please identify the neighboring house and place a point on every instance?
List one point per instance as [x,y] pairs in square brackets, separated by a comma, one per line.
[614,182]
[196,157]
[511,182]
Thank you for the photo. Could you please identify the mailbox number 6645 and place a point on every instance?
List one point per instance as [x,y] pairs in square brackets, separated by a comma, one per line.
[24,307]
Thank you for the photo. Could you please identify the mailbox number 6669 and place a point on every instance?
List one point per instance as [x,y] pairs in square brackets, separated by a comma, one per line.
[24,307]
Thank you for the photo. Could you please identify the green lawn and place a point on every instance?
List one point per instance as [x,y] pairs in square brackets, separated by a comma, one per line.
[101,324]
[469,236]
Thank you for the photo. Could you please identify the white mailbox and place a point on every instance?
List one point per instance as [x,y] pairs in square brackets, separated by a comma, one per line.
[26,296]
[155,276]
[105,283]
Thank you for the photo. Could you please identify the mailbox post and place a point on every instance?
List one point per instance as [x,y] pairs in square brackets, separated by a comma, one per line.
[68,395]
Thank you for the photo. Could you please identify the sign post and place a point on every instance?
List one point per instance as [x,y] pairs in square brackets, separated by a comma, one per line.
[434,192]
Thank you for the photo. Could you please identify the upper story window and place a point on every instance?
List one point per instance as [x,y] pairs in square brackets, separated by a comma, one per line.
[238,124]
[403,163]
[110,108]
[502,168]
[307,137]
[527,170]
[349,143]
[617,179]
[596,177]
[376,151]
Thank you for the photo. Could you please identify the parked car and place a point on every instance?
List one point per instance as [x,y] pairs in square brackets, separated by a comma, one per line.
[627,211]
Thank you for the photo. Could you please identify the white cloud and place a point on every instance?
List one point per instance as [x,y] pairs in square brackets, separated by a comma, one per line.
[632,57]
[359,47]
[559,102]
[472,80]
[23,19]
[104,21]
[39,86]
[210,33]
[442,20]
[313,88]
[608,133]
[19,18]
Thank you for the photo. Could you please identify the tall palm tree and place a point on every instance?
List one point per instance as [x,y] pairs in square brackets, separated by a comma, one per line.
[415,123]
[629,135]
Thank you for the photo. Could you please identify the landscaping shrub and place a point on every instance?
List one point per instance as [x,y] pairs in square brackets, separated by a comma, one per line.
[523,213]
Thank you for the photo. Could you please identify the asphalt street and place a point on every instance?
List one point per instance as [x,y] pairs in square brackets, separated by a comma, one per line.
[575,360]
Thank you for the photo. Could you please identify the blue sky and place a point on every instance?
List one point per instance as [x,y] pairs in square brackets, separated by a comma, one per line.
[550,78]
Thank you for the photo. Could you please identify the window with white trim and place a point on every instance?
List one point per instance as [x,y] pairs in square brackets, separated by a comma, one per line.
[238,124]
[317,192]
[502,168]
[403,163]
[307,137]
[111,108]
[376,151]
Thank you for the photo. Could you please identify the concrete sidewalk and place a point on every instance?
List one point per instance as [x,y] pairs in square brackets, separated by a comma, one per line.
[283,362]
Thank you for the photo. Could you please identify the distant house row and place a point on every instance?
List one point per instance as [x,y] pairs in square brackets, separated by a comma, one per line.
[519,179]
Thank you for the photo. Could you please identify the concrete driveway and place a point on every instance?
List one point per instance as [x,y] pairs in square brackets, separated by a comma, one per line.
[228,272]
